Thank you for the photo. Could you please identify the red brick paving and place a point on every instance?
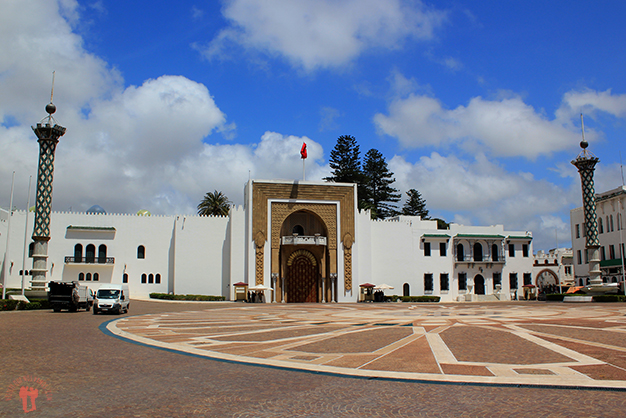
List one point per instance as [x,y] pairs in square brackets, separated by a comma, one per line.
[357,342]
[602,372]
[465,370]
[609,337]
[414,357]
[476,344]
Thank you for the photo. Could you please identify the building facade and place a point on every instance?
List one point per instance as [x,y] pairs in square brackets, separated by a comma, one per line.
[610,219]
[553,269]
[307,241]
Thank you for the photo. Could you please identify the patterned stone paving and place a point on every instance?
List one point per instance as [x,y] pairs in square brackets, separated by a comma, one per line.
[543,344]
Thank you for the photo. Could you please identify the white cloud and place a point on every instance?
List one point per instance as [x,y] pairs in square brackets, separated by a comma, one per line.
[504,127]
[35,41]
[151,146]
[314,34]
[481,192]
[590,101]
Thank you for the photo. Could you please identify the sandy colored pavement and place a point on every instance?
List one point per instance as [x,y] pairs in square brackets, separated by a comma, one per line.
[226,359]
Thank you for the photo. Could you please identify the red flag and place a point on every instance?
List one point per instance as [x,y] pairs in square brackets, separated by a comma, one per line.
[303,151]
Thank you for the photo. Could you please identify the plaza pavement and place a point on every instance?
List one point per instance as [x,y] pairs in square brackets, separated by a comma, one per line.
[266,360]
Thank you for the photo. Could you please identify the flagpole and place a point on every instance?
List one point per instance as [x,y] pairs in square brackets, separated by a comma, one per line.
[303,155]
[6,251]
[26,235]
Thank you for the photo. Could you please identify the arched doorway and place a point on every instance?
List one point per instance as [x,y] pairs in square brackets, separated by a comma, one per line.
[547,281]
[302,278]
[479,285]
[304,274]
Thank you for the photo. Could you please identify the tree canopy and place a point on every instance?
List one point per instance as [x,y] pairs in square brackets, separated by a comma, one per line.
[415,205]
[345,163]
[378,189]
[374,182]
[216,204]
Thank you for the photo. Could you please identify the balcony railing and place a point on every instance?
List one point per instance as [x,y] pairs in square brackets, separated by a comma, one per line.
[303,240]
[485,260]
[89,260]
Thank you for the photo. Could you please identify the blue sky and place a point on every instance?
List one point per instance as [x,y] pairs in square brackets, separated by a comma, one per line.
[476,104]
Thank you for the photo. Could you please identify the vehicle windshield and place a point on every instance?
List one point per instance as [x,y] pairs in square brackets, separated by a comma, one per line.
[108,294]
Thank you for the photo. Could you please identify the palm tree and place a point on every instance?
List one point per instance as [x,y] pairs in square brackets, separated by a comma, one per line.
[216,204]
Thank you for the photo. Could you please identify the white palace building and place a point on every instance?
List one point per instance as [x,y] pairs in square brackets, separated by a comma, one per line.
[307,241]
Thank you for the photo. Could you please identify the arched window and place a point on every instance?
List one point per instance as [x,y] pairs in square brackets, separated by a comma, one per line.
[81,276]
[157,278]
[151,278]
[612,229]
[406,290]
[460,253]
[298,229]
[90,253]
[495,256]
[31,249]
[144,278]
[78,253]
[478,252]
[102,254]
[88,277]
[96,277]
[141,252]
[600,225]
[125,278]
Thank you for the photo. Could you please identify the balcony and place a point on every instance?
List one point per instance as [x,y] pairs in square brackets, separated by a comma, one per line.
[89,260]
[485,260]
[303,240]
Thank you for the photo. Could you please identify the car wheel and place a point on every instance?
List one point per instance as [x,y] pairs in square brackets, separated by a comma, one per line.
[56,309]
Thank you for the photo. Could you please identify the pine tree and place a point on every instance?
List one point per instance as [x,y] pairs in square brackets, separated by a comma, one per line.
[346,166]
[344,161]
[415,205]
[378,181]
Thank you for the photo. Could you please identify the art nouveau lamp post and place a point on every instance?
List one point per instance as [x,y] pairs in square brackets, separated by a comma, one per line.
[48,138]
[586,163]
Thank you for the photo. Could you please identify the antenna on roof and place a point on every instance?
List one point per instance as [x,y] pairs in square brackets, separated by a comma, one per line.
[621,167]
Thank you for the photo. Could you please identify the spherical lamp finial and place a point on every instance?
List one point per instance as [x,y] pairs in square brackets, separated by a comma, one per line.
[51,108]
[584,144]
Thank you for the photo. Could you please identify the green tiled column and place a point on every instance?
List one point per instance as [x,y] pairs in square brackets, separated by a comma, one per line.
[48,136]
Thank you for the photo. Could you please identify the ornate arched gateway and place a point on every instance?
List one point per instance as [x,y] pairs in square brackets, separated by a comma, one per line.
[304,258]
[302,279]
[316,218]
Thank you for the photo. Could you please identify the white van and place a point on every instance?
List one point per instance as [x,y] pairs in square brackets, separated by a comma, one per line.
[112,298]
